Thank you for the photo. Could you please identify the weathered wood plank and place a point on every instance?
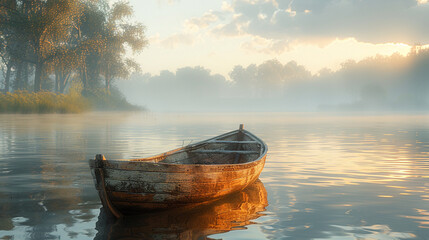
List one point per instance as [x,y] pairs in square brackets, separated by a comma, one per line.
[241,142]
[177,188]
[166,198]
[172,177]
[255,193]
[177,168]
[225,151]
[99,174]
[144,206]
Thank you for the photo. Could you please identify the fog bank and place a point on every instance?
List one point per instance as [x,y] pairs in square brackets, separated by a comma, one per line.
[393,83]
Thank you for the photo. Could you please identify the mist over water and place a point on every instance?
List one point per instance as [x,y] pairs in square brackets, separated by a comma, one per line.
[390,84]
[326,176]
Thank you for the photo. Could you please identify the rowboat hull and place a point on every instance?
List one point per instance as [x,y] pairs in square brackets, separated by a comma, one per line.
[232,212]
[168,180]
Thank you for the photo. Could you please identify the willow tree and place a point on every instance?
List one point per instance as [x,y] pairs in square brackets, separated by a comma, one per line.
[69,56]
[8,11]
[89,39]
[91,26]
[47,25]
[63,66]
[15,51]
[118,35]
[6,63]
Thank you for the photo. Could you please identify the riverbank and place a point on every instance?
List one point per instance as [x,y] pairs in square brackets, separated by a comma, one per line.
[72,102]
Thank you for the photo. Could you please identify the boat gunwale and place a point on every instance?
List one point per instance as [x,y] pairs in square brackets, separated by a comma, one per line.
[143,161]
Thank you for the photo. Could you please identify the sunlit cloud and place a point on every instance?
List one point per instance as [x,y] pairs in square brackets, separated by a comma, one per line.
[204,21]
[262,16]
[244,32]
[368,21]
[178,39]
[291,12]
[154,39]
[231,29]
[266,46]
[167,1]
[226,7]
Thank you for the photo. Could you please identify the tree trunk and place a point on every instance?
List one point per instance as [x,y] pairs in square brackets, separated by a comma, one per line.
[107,83]
[25,76]
[61,80]
[7,79]
[84,77]
[57,81]
[107,78]
[18,76]
[64,81]
[38,77]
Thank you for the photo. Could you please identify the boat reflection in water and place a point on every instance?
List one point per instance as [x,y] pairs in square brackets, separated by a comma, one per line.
[230,213]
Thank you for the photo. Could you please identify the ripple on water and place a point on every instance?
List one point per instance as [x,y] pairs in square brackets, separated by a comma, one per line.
[326,177]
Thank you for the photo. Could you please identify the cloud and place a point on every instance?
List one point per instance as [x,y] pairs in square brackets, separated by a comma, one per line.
[167,1]
[226,7]
[267,46]
[374,21]
[178,39]
[233,28]
[204,21]
[154,39]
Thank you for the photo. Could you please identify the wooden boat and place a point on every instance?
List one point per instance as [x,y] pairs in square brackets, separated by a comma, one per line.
[194,174]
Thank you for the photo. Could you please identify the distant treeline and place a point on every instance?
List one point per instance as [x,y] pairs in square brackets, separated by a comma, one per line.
[45,46]
[379,83]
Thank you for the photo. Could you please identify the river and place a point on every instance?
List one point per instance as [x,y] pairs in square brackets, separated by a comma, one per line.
[338,176]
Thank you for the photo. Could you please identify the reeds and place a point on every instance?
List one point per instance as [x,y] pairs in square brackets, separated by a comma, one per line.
[112,100]
[42,102]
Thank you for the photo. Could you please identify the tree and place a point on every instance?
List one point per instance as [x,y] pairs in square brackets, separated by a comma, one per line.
[7,9]
[119,34]
[67,39]
[91,26]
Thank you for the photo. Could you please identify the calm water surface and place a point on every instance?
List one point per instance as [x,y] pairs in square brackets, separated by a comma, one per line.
[326,177]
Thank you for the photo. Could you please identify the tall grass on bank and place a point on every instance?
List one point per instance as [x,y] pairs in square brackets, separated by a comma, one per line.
[112,100]
[72,102]
[42,102]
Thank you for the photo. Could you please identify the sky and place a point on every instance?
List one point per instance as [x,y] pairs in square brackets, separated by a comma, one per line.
[316,34]
[282,55]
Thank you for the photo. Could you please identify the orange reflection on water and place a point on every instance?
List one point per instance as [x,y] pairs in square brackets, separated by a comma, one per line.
[231,213]
[343,152]
[384,196]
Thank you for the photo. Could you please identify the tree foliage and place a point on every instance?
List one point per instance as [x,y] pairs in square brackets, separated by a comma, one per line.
[56,41]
